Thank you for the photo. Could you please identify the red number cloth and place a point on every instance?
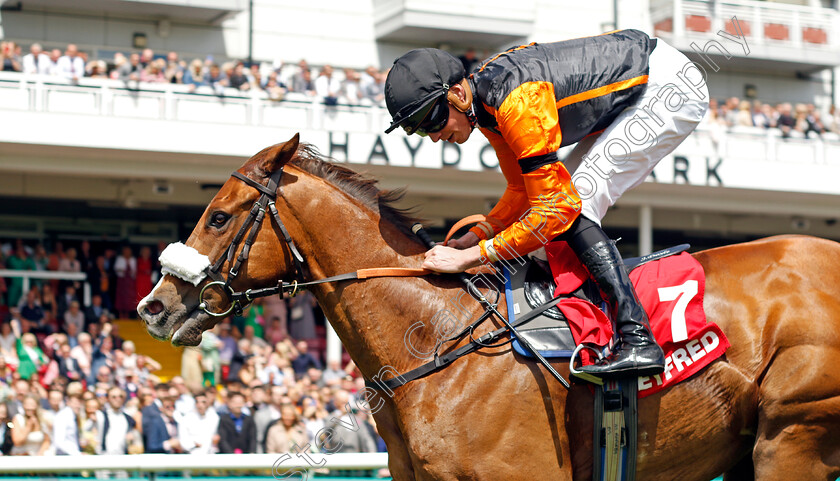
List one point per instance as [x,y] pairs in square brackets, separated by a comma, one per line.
[671,291]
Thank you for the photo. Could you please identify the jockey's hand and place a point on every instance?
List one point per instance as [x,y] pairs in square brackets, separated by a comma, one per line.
[465,241]
[446,259]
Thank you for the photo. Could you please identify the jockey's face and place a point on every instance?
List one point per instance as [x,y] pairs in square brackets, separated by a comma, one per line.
[457,129]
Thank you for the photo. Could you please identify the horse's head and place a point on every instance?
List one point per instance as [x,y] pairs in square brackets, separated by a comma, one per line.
[240,222]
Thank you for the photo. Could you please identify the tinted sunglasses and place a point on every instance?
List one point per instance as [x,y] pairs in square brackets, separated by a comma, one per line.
[429,119]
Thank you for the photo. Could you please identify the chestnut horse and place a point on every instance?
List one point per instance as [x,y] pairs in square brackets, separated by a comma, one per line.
[768,410]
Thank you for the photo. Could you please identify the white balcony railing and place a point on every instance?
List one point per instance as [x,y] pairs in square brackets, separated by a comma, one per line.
[105,114]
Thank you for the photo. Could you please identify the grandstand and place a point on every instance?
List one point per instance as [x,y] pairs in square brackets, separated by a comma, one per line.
[120,155]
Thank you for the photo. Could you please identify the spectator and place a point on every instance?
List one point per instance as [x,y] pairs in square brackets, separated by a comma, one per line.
[11,61]
[71,66]
[275,332]
[184,401]
[345,440]
[97,69]
[21,390]
[327,87]
[31,358]
[147,57]
[302,316]
[94,311]
[161,432]
[174,71]
[303,359]
[238,80]
[36,61]
[303,83]
[333,374]
[20,261]
[99,281]
[250,334]
[288,434]
[55,56]
[32,316]
[194,76]
[227,350]
[70,264]
[83,354]
[216,79]
[198,434]
[115,426]
[6,442]
[66,422]
[254,76]
[7,341]
[64,300]
[41,259]
[89,430]
[351,89]
[144,273]
[153,72]
[237,431]
[786,121]
[130,70]
[30,432]
[267,414]
[744,116]
[74,316]
[374,92]
[68,366]
[274,87]
[210,364]
[126,270]
[49,304]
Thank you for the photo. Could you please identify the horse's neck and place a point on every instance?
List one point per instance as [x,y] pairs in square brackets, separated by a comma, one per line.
[371,317]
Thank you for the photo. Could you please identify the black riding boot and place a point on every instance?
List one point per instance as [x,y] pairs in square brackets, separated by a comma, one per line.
[636,353]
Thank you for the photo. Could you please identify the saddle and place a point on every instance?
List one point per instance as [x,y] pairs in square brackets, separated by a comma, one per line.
[529,284]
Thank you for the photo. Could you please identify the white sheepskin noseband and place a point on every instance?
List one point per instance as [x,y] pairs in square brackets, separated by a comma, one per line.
[184,263]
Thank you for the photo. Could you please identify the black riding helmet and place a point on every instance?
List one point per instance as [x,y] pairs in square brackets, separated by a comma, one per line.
[416,83]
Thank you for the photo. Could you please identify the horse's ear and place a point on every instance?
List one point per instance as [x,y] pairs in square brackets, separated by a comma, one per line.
[281,156]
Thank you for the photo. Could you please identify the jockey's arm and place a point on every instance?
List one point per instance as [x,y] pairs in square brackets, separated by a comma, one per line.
[530,127]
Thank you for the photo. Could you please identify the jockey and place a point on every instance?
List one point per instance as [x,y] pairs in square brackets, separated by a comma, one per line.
[625,99]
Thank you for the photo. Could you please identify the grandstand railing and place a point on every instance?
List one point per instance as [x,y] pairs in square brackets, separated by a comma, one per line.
[65,276]
[164,101]
[280,465]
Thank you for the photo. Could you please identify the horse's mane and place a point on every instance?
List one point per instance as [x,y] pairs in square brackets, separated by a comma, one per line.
[359,186]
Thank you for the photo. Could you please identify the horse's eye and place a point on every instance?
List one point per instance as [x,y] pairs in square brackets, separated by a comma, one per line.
[219,219]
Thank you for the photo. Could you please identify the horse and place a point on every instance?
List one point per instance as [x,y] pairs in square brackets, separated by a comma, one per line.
[767,410]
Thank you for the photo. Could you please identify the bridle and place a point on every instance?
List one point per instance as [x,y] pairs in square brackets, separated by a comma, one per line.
[266,203]
[238,300]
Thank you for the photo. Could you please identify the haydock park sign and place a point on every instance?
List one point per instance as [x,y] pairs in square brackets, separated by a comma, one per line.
[698,165]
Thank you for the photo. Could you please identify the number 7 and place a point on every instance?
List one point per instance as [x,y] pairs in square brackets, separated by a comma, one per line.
[684,294]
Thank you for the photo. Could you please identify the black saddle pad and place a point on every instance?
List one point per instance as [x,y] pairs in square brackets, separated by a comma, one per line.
[529,284]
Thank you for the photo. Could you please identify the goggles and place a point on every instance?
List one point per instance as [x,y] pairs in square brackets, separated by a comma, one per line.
[429,119]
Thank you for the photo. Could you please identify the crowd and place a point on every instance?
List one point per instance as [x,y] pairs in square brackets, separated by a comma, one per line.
[800,121]
[70,384]
[203,75]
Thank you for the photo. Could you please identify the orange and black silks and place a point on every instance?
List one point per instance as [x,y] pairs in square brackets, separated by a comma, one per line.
[530,101]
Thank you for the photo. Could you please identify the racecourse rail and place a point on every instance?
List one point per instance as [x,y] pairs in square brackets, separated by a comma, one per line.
[280,465]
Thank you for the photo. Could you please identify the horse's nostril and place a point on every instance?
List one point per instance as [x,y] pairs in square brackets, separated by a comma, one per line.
[154,307]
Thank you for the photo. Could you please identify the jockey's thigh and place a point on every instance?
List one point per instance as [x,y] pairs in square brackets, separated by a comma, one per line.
[607,165]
